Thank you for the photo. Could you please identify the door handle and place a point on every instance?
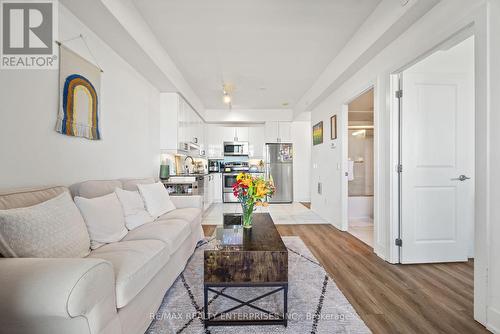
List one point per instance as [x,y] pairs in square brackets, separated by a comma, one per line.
[461,178]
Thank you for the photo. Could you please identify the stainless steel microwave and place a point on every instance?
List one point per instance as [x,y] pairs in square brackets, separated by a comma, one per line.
[235,148]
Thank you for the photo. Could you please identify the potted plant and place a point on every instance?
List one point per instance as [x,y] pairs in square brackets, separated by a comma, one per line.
[252,191]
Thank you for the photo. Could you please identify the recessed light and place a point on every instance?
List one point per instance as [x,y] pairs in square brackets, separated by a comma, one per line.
[262,88]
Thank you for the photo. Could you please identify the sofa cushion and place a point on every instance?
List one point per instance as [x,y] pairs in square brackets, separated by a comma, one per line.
[156,199]
[188,214]
[91,189]
[54,228]
[135,263]
[192,215]
[172,232]
[133,208]
[28,197]
[104,219]
[131,184]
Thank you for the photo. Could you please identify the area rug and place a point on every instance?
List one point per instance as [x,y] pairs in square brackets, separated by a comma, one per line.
[315,304]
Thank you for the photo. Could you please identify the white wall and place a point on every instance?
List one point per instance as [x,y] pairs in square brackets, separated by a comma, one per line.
[302,141]
[444,20]
[33,154]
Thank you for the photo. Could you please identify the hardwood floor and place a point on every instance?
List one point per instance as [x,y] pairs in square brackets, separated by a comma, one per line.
[428,298]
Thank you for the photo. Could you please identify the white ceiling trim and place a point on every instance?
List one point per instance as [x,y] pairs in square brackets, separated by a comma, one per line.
[248,115]
[388,21]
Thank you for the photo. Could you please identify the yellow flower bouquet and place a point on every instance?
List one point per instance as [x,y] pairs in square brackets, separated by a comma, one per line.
[252,191]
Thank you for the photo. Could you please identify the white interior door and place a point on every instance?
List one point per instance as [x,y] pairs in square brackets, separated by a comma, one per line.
[437,147]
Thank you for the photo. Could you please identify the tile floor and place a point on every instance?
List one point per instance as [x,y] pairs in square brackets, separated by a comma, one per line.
[294,213]
[362,228]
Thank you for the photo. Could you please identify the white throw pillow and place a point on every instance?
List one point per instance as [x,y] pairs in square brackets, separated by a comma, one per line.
[156,198]
[133,208]
[54,228]
[104,219]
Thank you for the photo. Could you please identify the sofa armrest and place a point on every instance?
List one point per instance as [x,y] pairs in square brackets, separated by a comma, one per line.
[52,295]
[180,202]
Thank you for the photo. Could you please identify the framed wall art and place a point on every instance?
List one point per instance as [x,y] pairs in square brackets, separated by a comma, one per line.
[318,133]
[333,127]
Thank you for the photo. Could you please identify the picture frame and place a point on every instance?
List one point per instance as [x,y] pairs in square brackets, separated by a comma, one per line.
[317,132]
[333,127]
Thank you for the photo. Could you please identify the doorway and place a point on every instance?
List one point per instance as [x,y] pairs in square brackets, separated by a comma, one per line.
[360,167]
[437,156]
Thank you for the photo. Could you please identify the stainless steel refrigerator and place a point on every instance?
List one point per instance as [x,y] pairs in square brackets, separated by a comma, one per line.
[279,165]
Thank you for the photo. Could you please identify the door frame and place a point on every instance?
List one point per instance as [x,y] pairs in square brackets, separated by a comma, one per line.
[481,173]
[344,132]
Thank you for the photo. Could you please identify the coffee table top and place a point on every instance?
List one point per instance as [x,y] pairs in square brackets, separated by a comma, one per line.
[263,236]
[247,256]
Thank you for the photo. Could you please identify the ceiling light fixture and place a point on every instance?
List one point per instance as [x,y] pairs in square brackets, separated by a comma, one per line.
[226,98]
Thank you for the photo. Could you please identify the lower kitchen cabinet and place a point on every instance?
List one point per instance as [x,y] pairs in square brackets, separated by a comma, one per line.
[217,188]
[212,190]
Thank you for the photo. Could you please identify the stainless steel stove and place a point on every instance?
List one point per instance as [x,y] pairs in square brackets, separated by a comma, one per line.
[231,170]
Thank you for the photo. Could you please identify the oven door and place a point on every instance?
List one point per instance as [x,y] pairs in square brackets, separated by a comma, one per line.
[228,181]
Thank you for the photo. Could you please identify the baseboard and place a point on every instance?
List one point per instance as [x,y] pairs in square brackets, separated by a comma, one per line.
[380,251]
[493,320]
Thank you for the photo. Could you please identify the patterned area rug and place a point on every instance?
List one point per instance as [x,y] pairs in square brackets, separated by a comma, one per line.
[315,304]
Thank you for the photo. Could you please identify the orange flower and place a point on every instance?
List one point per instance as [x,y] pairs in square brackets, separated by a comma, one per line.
[246,182]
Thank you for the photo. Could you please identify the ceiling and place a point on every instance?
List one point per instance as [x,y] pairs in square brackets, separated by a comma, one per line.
[271,52]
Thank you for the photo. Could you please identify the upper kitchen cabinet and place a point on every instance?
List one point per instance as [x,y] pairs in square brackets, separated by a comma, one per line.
[170,121]
[214,139]
[235,133]
[241,133]
[278,132]
[181,128]
[256,135]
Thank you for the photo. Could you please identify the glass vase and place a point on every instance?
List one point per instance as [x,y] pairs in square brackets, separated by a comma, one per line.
[247,214]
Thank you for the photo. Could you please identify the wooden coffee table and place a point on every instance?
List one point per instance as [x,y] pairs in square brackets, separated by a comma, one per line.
[246,258]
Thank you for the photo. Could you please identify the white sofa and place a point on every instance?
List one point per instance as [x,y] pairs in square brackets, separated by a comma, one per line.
[116,289]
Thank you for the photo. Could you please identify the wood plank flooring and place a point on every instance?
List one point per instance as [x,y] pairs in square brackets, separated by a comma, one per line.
[429,298]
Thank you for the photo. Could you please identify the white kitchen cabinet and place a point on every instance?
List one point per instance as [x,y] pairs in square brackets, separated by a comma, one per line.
[171,130]
[207,192]
[256,136]
[285,132]
[228,133]
[217,188]
[278,132]
[235,133]
[179,123]
[214,139]
[241,133]
[212,190]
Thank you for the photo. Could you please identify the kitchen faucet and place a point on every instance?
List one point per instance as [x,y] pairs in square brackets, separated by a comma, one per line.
[186,166]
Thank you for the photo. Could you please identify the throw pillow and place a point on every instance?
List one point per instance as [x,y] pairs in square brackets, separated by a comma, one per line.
[54,228]
[104,219]
[133,208]
[156,198]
